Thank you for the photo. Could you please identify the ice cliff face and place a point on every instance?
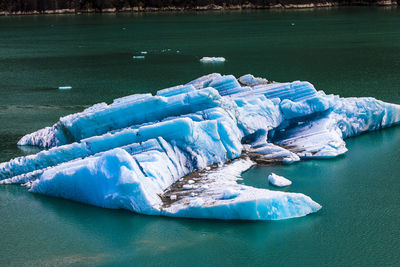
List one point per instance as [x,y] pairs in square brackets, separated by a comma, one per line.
[152,154]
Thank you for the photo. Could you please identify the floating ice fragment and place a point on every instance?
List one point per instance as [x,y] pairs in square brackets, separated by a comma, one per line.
[212,60]
[138,57]
[279,181]
[65,88]
[143,52]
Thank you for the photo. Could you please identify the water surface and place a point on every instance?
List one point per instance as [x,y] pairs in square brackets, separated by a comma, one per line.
[346,51]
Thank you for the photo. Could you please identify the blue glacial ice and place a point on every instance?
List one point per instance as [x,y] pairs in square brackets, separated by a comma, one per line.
[180,152]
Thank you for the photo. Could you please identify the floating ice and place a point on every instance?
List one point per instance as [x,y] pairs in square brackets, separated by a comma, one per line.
[279,181]
[181,152]
[138,57]
[65,88]
[212,60]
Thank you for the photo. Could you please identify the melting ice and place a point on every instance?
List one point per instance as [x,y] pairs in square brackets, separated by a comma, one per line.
[181,152]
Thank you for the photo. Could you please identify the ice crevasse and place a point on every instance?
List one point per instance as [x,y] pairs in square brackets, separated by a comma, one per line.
[180,152]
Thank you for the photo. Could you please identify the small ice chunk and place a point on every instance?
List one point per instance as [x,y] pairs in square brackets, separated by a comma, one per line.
[143,52]
[278,180]
[212,60]
[190,182]
[172,197]
[65,88]
[193,194]
[138,57]
[229,193]
[187,187]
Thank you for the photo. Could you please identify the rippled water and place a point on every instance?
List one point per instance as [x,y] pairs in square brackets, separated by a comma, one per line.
[346,51]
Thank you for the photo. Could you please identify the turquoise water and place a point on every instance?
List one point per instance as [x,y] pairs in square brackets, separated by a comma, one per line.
[346,51]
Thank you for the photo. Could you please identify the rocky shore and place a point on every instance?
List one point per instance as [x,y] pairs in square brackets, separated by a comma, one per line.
[91,7]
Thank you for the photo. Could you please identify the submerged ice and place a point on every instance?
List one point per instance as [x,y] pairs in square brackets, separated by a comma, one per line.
[181,151]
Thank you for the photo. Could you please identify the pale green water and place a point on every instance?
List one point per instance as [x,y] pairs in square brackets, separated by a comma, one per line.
[349,51]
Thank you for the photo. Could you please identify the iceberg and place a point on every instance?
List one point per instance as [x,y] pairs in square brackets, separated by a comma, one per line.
[180,152]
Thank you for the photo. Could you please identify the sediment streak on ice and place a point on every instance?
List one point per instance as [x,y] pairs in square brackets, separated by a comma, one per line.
[217,195]
[152,154]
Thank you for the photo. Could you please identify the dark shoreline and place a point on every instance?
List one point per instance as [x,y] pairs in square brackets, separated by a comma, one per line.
[212,7]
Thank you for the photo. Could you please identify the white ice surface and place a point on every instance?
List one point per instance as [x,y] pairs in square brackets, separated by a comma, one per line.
[65,87]
[279,181]
[212,60]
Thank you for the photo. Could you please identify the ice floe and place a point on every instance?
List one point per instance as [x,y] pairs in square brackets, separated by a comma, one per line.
[212,60]
[65,88]
[279,181]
